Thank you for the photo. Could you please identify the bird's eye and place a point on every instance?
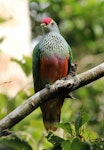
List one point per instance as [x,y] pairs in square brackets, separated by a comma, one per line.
[52,23]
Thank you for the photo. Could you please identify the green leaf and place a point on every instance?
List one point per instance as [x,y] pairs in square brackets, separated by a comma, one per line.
[78,121]
[81,119]
[77,144]
[85,117]
[66,145]
[25,63]
[66,127]
[55,140]
[3,105]
[13,142]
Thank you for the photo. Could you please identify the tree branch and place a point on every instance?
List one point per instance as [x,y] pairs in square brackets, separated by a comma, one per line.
[59,88]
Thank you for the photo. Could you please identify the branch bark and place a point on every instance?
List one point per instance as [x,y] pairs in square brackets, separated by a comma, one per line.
[59,88]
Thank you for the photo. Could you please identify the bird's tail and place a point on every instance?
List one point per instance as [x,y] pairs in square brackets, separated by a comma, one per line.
[51,112]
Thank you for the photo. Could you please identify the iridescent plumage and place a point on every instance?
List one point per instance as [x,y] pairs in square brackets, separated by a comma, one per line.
[51,61]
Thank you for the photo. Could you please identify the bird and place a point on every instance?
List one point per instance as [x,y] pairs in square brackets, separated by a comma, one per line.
[51,61]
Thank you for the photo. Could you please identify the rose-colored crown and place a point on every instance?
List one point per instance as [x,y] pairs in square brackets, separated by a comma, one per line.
[46,20]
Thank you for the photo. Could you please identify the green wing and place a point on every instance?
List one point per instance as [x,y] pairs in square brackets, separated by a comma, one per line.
[36,67]
[70,52]
[71,58]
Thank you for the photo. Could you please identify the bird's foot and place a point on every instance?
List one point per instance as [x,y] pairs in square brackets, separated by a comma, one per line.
[47,86]
[73,69]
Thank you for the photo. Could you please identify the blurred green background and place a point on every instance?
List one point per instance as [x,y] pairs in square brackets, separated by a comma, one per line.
[81,23]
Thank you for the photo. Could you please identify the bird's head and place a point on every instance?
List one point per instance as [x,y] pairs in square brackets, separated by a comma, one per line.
[49,25]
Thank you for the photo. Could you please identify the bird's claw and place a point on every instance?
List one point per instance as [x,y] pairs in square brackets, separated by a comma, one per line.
[73,69]
[47,86]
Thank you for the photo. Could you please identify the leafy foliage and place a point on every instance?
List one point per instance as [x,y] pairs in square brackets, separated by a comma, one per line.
[82,24]
[13,142]
[76,136]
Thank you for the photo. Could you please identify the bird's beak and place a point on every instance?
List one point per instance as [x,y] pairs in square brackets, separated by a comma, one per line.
[43,25]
